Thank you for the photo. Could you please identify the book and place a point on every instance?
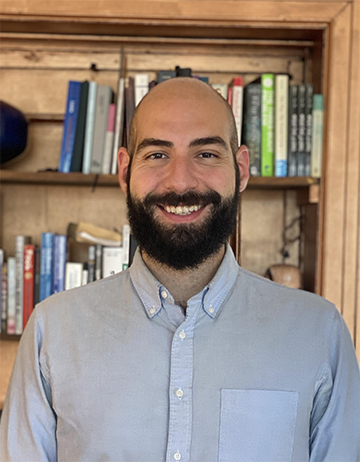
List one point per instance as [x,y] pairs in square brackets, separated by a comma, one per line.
[281,124]
[129,105]
[301,130]
[267,124]
[70,122]
[77,160]
[21,241]
[317,135]
[165,75]
[91,263]
[119,124]
[89,127]
[46,265]
[29,276]
[126,246]
[112,261]
[293,130]
[4,296]
[308,127]
[141,87]
[221,88]
[237,104]
[85,275]
[37,276]
[98,261]
[252,126]
[183,71]
[109,140]
[104,97]
[11,297]
[73,275]
[59,263]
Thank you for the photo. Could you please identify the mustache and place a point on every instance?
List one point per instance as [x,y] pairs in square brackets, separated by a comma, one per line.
[189,198]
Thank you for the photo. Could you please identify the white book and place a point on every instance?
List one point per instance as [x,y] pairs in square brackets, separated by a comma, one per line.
[89,127]
[317,136]
[109,140]
[141,87]
[11,308]
[221,88]
[237,105]
[19,298]
[112,261]
[73,275]
[126,245]
[119,124]
[281,124]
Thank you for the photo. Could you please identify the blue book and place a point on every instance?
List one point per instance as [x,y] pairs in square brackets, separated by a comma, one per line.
[46,265]
[70,122]
[59,263]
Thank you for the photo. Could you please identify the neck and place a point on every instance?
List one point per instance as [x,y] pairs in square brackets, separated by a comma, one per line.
[184,284]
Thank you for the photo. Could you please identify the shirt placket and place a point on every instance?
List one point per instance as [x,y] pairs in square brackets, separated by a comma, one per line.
[180,391]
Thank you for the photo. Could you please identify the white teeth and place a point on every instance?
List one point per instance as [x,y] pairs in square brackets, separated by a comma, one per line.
[182,210]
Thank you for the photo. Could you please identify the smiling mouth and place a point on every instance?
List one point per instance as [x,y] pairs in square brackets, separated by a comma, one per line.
[182,209]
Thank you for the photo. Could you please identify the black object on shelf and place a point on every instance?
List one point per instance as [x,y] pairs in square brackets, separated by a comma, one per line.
[13,132]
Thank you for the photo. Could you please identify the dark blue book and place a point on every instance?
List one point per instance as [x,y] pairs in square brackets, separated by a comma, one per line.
[59,263]
[70,123]
[46,265]
[77,160]
[251,130]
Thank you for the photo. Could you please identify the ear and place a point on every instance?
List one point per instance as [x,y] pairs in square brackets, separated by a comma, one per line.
[123,165]
[242,158]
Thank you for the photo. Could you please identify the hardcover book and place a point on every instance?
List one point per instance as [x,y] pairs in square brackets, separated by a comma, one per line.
[237,104]
[281,124]
[308,127]
[59,263]
[119,124]
[11,307]
[70,122]
[73,275]
[317,136]
[301,130]
[267,124]
[77,161]
[89,127]
[21,241]
[109,140]
[112,261]
[29,276]
[141,87]
[293,130]
[252,126]
[46,265]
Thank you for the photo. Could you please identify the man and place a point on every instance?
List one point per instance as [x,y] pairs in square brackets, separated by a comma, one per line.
[185,356]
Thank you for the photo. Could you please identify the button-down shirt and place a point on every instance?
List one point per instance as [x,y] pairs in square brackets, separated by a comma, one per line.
[114,371]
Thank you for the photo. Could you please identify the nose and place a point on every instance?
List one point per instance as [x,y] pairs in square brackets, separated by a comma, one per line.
[181,175]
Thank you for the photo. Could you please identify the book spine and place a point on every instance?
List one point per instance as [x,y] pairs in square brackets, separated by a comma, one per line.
[89,127]
[125,246]
[4,296]
[267,124]
[21,241]
[293,130]
[37,276]
[73,275]
[85,274]
[129,105]
[237,104]
[119,124]
[281,124]
[46,265]
[91,263]
[317,136]
[29,274]
[301,130]
[11,308]
[112,260]
[141,87]
[103,100]
[109,140]
[77,161]
[308,127]
[72,111]
[59,263]
[252,126]
[98,261]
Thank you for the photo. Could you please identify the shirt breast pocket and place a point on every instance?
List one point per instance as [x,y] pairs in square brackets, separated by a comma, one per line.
[257,425]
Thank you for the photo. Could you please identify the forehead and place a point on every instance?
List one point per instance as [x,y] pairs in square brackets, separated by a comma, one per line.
[190,115]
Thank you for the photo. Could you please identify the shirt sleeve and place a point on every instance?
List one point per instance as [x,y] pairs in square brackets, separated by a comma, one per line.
[28,422]
[335,419]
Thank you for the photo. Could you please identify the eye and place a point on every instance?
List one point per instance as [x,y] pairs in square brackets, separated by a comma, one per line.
[207,155]
[157,155]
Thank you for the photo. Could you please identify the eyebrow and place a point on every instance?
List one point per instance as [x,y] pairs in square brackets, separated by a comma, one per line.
[146,142]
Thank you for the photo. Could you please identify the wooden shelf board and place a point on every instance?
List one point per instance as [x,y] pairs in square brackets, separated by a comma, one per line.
[78,179]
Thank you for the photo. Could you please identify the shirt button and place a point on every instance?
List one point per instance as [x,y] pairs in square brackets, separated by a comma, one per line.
[211,309]
[177,456]
[152,310]
[164,294]
[182,335]
[179,393]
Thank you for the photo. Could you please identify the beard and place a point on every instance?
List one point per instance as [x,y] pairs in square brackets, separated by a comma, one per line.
[185,245]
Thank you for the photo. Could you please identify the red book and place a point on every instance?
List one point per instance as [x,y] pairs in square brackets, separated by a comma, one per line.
[29,273]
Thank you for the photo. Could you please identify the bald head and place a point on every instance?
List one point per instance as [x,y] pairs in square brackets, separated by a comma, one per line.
[182,89]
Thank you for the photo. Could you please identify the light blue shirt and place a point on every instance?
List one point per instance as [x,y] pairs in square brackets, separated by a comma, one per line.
[114,371]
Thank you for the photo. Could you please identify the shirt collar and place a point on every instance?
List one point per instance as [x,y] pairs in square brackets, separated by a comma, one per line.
[211,296]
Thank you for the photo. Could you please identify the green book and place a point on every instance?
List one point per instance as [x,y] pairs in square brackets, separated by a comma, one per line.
[267,125]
